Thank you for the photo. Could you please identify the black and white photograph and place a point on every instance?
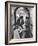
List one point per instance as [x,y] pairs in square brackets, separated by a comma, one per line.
[20,22]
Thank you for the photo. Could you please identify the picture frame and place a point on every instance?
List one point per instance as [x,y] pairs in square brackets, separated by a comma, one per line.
[27,13]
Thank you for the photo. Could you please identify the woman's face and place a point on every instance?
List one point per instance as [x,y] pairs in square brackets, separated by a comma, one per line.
[22,12]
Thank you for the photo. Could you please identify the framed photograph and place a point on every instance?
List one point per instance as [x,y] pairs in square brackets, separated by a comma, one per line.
[20,22]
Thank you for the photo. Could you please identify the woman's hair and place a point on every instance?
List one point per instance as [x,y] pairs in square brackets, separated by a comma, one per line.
[26,9]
